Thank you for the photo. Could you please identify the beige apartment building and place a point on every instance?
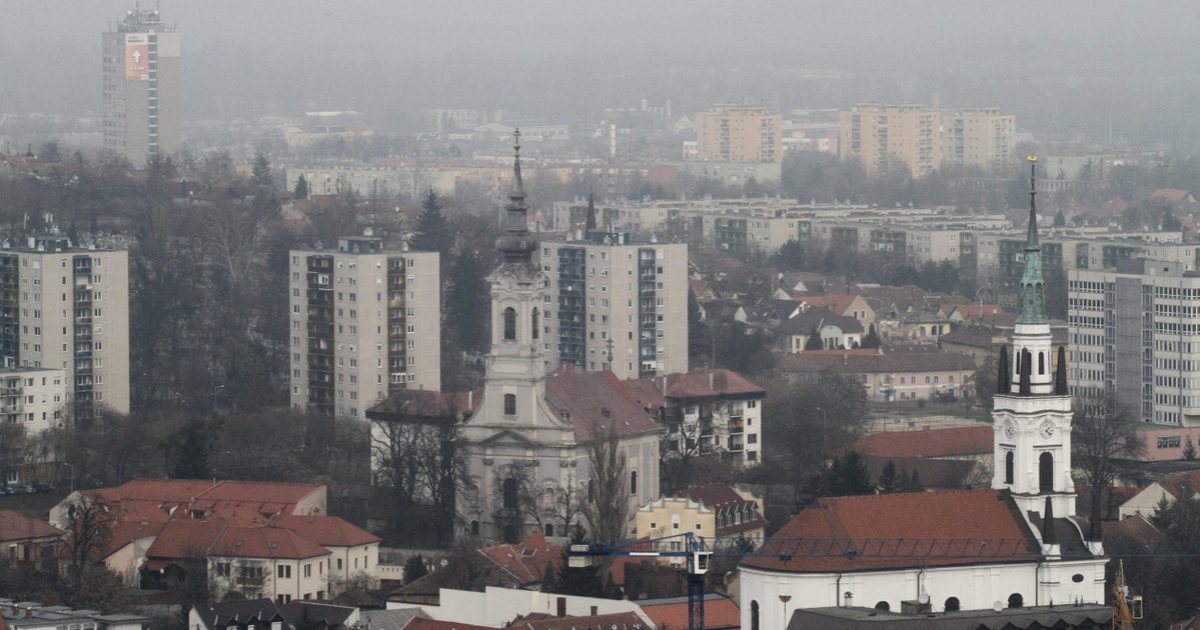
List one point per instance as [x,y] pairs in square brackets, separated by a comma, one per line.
[739,133]
[890,137]
[66,308]
[141,97]
[607,296]
[32,397]
[980,137]
[365,321]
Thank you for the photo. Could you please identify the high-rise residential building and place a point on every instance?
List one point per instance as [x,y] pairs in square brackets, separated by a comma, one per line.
[982,137]
[739,133]
[141,87]
[615,304]
[67,308]
[365,321]
[1135,335]
[890,137]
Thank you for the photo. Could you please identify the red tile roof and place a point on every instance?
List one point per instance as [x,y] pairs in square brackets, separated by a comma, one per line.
[264,542]
[156,500]
[526,561]
[15,526]
[328,531]
[613,621]
[837,302]
[596,401]
[718,613]
[957,441]
[650,392]
[186,539]
[434,624]
[969,517]
[1182,484]
[428,405]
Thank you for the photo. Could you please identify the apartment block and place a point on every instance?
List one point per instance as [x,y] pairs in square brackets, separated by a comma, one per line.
[613,304]
[66,308]
[33,397]
[1135,335]
[886,138]
[739,133]
[983,138]
[141,98]
[365,321]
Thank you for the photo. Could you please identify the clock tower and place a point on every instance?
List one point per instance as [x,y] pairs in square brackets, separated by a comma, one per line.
[1031,413]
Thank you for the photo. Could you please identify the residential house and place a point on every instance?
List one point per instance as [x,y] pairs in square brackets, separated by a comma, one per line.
[36,616]
[844,304]
[705,411]
[1162,492]
[29,542]
[711,511]
[890,377]
[835,331]
[354,561]
[267,562]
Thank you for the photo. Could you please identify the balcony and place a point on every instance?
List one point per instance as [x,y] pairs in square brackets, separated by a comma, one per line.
[736,426]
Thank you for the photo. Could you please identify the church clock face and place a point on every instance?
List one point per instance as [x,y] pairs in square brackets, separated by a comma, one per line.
[1046,431]
[1009,430]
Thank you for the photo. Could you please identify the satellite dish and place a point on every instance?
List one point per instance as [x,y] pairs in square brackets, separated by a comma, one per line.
[445,562]
[924,598]
[997,606]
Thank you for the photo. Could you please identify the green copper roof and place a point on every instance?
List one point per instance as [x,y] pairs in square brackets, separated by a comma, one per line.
[1032,292]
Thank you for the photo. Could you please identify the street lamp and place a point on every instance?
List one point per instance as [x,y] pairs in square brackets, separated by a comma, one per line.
[784,599]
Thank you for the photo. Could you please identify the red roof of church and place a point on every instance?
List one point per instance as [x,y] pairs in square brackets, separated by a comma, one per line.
[596,401]
[962,527]
[951,442]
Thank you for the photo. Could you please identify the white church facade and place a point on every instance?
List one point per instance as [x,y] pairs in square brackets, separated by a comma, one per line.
[1016,544]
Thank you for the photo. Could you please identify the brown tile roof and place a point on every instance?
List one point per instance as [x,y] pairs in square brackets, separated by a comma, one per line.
[718,613]
[328,531]
[935,474]
[1182,485]
[434,624]
[974,336]
[157,499]
[264,542]
[613,621]
[952,442]
[836,302]
[703,383]
[873,363]
[15,526]
[1131,532]
[596,401]
[526,561]
[969,517]
[718,497]
[429,405]
[186,539]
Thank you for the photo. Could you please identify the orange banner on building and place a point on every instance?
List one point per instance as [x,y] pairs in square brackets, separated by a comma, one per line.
[137,56]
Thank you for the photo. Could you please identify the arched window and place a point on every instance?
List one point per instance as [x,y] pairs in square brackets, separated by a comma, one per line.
[474,528]
[510,404]
[951,605]
[882,605]
[1046,472]
[549,529]
[633,482]
[754,614]
[1008,467]
[510,324]
[1041,363]
[534,323]
[510,492]
[1015,600]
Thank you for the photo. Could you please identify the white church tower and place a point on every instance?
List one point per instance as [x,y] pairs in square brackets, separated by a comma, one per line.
[1031,413]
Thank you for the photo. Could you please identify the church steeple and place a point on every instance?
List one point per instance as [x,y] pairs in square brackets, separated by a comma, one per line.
[591,215]
[516,246]
[1032,294]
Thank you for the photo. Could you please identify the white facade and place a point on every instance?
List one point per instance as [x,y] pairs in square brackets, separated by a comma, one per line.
[353,565]
[32,397]
[281,579]
[496,607]
[364,321]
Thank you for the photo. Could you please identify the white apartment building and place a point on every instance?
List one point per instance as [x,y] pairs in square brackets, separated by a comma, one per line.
[33,397]
[612,304]
[1135,333]
[66,308]
[365,321]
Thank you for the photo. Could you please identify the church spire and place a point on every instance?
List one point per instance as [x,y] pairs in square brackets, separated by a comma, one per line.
[516,246]
[1032,294]
[591,215]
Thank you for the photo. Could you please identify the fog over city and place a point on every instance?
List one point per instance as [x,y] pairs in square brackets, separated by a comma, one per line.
[614,314]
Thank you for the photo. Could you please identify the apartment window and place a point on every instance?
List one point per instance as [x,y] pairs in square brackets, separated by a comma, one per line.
[308,570]
[284,571]
[222,569]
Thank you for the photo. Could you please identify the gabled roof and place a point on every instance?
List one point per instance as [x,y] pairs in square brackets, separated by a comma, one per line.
[803,323]
[612,621]
[327,531]
[526,561]
[719,612]
[596,401]
[157,499]
[264,542]
[839,303]
[974,336]
[952,442]
[718,497]
[1182,485]
[186,539]
[424,405]
[968,517]
[15,526]
[435,624]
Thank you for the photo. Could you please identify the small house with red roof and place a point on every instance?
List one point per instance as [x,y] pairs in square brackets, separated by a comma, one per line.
[1164,491]
[354,552]
[705,411]
[26,541]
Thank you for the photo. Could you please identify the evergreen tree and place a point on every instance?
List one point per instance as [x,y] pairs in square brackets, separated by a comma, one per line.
[432,234]
[262,171]
[1060,219]
[467,302]
[871,340]
[191,454]
[301,191]
[888,481]
[1189,449]
[414,568]
[914,483]
[814,340]
[847,476]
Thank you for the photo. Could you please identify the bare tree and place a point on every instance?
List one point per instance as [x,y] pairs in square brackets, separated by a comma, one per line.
[569,502]
[608,496]
[87,534]
[1103,436]
[423,466]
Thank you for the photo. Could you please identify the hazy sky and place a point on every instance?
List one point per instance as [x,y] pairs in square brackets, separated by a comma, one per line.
[537,56]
